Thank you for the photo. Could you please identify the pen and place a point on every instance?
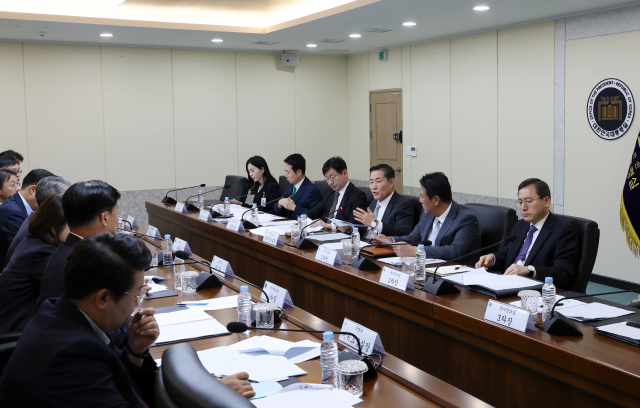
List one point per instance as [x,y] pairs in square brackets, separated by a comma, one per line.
[192,304]
[219,377]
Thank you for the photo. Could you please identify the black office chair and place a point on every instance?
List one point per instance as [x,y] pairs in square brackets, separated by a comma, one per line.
[323,187]
[6,350]
[282,182]
[367,192]
[589,238]
[238,185]
[417,208]
[183,382]
[9,337]
[496,222]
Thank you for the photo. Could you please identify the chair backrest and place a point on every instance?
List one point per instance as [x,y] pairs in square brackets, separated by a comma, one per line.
[417,208]
[323,187]
[589,238]
[9,337]
[183,382]
[367,192]
[6,350]
[282,182]
[495,221]
[238,185]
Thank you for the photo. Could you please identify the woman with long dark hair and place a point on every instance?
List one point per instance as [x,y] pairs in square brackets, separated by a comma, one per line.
[263,187]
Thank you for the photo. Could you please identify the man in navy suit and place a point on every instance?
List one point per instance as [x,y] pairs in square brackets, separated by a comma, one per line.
[346,197]
[302,193]
[545,246]
[450,227]
[17,208]
[390,213]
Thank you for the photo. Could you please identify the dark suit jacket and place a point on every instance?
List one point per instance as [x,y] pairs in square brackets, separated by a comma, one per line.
[53,276]
[353,198]
[555,253]
[12,215]
[20,283]
[271,191]
[459,234]
[61,362]
[305,198]
[20,235]
[398,217]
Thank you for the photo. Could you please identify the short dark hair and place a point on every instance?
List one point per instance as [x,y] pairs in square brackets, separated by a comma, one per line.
[336,162]
[85,200]
[297,162]
[8,160]
[387,170]
[13,153]
[49,186]
[542,188]
[5,175]
[48,216]
[104,261]
[437,184]
[34,176]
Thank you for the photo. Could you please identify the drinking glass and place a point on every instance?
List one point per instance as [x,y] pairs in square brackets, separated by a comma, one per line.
[189,282]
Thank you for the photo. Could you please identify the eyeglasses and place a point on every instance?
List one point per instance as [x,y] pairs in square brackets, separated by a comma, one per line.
[140,298]
[332,178]
[527,201]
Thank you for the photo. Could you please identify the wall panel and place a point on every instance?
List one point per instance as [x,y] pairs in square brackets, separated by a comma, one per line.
[12,104]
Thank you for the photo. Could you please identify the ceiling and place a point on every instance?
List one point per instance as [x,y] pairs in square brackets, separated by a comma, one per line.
[292,24]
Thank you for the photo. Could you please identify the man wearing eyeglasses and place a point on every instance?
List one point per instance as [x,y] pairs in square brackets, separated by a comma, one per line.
[545,246]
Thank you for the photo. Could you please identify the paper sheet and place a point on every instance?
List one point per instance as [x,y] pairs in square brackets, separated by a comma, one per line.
[450,269]
[397,261]
[155,287]
[184,331]
[594,311]
[183,316]
[334,246]
[621,329]
[295,352]
[265,388]
[343,395]
[565,304]
[301,398]
[328,237]
[497,282]
[226,302]
[459,277]
[260,368]
[279,223]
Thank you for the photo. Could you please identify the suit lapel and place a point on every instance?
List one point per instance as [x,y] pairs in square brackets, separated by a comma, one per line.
[344,199]
[299,191]
[19,201]
[428,220]
[544,233]
[387,212]
[448,222]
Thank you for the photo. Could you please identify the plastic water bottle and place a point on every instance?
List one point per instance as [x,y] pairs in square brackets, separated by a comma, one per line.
[254,214]
[244,305]
[167,250]
[302,222]
[120,226]
[227,207]
[355,243]
[548,297]
[329,359]
[421,261]
[200,200]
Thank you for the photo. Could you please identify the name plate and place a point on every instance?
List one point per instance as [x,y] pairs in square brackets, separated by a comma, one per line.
[181,208]
[235,225]
[509,316]
[396,279]
[328,256]
[277,295]
[181,245]
[369,340]
[272,237]
[221,265]
[205,216]
[153,232]
[132,221]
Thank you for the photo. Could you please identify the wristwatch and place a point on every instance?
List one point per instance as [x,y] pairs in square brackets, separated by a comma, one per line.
[143,355]
[374,223]
[532,271]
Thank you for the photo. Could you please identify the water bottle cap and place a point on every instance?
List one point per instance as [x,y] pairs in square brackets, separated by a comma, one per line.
[199,191]
[355,229]
[548,279]
[119,219]
[255,204]
[303,216]
[244,288]
[167,236]
[327,335]
[226,198]
[420,246]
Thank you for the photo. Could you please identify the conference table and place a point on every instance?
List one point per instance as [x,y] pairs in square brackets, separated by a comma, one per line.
[398,383]
[443,336]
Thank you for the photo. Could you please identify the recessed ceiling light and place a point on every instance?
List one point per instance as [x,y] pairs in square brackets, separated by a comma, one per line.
[106,35]
[355,35]
[409,24]
[217,40]
[481,8]
[312,45]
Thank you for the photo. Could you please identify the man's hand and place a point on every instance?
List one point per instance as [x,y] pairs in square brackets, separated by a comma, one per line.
[485,261]
[346,230]
[377,240]
[289,204]
[404,250]
[146,288]
[364,217]
[143,330]
[238,382]
[234,201]
[282,202]
[321,224]
[517,270]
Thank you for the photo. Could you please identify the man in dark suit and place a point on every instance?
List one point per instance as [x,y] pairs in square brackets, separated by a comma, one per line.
[390,213]
[46,187]
[301,194]
[452,229]
[17,208]
[545,246]
[343,202]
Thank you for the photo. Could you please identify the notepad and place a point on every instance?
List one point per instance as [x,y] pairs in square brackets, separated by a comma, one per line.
[620,331]
[189,331]
[594,311]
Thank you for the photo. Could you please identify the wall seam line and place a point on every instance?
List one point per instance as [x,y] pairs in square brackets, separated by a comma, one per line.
[24,89]
[173,124]
[104,128]
[235,62]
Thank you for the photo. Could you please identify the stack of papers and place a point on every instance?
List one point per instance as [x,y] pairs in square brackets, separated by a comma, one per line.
[560,306]
[594,311]
[156,287]
[458,279]
[449,270]
[397,261]
[328,237]
[497,282]
[620,331]
[188,324]
[299,397]
[263,345]
[334,246]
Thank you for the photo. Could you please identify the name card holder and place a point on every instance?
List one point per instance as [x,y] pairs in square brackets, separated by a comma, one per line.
[205,216]
[132,221]
[235,225]
[153,231]
[509,316]
[369,340]
[181,245]
[277,295]
[222,265]
[397,279]
[181,208]
[272,237]
[328,256]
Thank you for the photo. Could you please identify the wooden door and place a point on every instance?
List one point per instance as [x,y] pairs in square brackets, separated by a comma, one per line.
[385,124]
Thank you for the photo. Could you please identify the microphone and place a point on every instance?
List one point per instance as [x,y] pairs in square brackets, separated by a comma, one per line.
[191,207]
[249,224]
[138,233]
[346,354]
[170,201]
[365,264]
[445,287]
[306,243]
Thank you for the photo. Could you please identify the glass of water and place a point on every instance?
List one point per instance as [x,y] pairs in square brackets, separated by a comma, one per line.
[264,315]
[529,300]
[154,260]
[347,249]
[409,266]
[295,234]
[351,376]
[188,282]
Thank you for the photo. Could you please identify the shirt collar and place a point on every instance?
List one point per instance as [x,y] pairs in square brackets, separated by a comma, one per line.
[540,223]
[26,205]
[300,183]
[96,329]
[344,188]
[445,213]
[76,235]
[385,202]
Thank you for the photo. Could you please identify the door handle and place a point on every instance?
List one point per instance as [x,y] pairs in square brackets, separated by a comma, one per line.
[398,137]
[399,170]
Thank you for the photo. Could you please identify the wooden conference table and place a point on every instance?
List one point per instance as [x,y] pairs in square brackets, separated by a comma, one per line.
[445,336]
[398,384]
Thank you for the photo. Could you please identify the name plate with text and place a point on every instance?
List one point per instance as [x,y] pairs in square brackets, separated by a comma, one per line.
[153,232]
[396,279]
[272,237]
[328,256]
[205,216]
[132,221]
[181,208]
[235,225]
[277,295]
[221,265]
[181,245]
[369,340]
[509,316]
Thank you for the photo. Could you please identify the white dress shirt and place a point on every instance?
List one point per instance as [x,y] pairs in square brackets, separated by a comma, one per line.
[26,205]
[299,184]
[96,329]
[435,231]
[383,206]
[340,195]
